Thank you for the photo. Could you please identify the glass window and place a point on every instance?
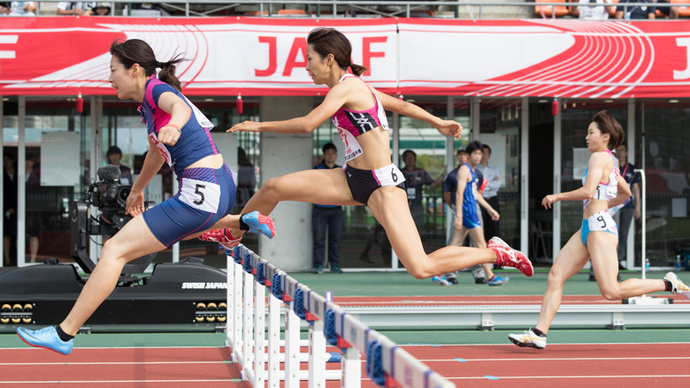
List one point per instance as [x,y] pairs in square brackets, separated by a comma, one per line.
[667,168]
[500,130]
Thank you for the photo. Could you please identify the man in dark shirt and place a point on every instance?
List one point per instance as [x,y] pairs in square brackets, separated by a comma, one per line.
[630,9]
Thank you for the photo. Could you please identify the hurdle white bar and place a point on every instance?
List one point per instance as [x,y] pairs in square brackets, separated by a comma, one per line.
[400,368]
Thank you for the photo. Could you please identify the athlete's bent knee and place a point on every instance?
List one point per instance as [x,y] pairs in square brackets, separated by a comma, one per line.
[420,271]
[611,294]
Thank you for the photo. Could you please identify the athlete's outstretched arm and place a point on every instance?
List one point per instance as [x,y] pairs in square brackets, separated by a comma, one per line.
[336,98]
[445,127]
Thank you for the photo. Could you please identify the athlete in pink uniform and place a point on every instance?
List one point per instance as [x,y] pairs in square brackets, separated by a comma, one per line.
[369,177]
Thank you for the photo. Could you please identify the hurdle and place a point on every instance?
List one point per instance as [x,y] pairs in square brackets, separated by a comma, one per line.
[257,289]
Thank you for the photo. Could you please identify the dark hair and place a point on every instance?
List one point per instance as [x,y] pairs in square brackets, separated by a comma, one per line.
[114,150]
[473,146]
[486,147]
[608,124]
[460,151]
[331,41]
[133,51]
[328,146]
[409,152]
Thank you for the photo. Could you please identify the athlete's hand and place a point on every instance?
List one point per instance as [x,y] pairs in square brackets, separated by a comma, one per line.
[549,200]
[494,214]
[247,126]
[135,203]
[450,128]
[169,135]
[458,222]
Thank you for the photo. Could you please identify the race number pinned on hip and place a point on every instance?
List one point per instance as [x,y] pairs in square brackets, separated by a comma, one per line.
[201,195]
[389,175]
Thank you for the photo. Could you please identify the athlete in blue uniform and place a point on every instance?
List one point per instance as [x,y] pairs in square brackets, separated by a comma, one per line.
[369,177]
[179,135]
[602,188]
[466,200]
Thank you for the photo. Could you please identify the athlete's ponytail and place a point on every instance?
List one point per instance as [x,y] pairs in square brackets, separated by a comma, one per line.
[167,73]
[358,69]
[137,51]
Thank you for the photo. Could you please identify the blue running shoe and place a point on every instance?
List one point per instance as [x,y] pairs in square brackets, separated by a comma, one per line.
[441,280]
[497,281]
[259,223]
[45,338]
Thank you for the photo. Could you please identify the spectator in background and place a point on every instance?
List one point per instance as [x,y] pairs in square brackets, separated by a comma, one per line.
[599,12]
[114,156]
[628,9]
[492,175]
[101,9]
[415,179]
[5,8]
[671,12]
[23,8]
[329,217]
[9,193]
[78,8]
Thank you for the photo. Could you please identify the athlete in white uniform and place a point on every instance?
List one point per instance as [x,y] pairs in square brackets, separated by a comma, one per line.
[597,239]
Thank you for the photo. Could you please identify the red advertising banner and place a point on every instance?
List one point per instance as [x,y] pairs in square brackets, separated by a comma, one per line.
[266,56]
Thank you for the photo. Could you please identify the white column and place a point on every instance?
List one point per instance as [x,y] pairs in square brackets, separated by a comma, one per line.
[283,154]
[556,241]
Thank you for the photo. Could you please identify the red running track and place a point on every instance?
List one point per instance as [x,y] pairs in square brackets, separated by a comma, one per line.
[591,365]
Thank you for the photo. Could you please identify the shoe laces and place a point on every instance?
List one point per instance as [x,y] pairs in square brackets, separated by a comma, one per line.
[45,330]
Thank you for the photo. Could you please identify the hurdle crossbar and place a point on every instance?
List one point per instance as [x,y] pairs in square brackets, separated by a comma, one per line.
[255,341]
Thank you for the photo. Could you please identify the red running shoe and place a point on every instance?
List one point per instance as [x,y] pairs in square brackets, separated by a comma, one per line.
[509,257]
[222,237]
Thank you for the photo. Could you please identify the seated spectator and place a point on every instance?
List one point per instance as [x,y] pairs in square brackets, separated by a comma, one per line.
[23,8]
[74,8]
[671,12]
[627,9]
[101,9]
[599,12]
[5,8]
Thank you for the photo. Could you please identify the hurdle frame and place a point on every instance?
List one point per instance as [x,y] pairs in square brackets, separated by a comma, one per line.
[255,340]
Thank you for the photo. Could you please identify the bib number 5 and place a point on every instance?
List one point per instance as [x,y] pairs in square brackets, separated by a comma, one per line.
[201,195]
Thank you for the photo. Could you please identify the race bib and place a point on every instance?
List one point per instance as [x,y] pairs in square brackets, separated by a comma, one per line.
[389,175]
[201,195]
[602,222]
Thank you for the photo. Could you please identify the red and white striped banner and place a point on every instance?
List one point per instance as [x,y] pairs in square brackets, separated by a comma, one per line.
[255,56]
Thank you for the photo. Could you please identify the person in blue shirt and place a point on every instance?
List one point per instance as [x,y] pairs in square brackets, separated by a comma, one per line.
[327,219]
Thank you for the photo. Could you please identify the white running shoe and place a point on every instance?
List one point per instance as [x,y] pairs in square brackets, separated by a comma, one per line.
[678,286]
[441,280]
[528,339]
[509,257]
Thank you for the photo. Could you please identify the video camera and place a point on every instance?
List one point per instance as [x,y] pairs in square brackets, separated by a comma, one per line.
[110,198]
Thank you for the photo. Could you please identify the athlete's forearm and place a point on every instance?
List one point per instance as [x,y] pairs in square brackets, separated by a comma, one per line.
[152,164]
